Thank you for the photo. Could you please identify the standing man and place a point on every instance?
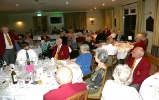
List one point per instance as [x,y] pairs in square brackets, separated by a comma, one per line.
[7,48]
[60,51]
[140,67]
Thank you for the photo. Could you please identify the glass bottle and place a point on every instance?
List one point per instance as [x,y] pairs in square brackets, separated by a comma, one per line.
[14,76]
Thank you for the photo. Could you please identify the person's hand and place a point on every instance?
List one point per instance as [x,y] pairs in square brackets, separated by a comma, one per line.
[92,87]
[51,47]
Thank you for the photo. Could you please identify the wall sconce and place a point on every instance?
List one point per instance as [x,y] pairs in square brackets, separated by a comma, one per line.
[19,23]
[91,20]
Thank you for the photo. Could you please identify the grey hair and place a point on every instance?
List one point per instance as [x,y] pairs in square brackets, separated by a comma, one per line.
[102,55]
[123,74]
[141,51]
[88,39]
[4,27]
[59,39]
[84,47]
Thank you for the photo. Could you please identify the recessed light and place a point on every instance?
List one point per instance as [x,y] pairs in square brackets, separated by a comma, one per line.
[103,4]
[91,9]
[95,8]
[16,4]
[112,0]
[66,2]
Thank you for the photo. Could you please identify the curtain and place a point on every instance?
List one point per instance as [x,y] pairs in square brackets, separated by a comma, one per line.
[102,13]
[119,18]
[75,20]
[155,37]
[139,17]
[109,18]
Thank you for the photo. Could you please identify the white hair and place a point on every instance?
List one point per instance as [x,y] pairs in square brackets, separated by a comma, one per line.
[123,74]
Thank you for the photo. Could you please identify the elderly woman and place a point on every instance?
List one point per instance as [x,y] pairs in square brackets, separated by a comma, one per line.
[95,81]
[118,88]
[84,59]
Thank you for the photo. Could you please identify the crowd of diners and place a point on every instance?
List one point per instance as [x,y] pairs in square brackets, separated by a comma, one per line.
[127,78]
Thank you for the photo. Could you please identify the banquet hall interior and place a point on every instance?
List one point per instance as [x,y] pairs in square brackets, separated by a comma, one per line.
[80,19]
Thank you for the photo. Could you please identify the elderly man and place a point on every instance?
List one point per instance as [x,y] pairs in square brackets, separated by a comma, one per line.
[140,42]
[26,53]
[120,37]
[7,45]
[112,50]
[140,67]
[60,51]
[67,89]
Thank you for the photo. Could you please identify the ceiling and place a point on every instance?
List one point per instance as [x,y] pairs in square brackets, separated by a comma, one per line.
[24,6]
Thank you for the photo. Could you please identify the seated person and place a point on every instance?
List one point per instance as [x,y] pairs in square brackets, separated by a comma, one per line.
[101,36]
[71,41]
[47,47]
[87,41]
[112,50]
[63,37]
[145,39]
[66,89]
[28,39]
[60,51]
[26,53]
[113,34]
[44,36]
[139,42]
[118,88]
[84,59]
[149,88]
[120,37]
[140,67]
[95,81]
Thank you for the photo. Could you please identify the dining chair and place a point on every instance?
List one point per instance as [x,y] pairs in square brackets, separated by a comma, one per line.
[111,62]
[79,96]
[98,94]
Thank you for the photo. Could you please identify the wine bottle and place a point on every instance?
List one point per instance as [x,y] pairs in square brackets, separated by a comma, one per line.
[14,77]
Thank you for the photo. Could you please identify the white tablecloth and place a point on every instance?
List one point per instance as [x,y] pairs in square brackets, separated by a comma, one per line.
[37,49]
[36,92]
[123,49]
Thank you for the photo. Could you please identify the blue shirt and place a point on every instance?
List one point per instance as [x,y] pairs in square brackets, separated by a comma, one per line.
[84,60]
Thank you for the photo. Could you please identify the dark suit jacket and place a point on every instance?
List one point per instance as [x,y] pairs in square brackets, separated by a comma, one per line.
[65,91]
[122,38]
[2,42]
[141,71]
[100,36]
[63,53]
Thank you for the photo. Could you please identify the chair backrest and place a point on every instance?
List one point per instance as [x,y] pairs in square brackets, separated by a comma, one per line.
[112,60]
[79,96]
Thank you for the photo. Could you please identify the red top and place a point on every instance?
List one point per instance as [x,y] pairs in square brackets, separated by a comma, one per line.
[65,91]
[141,71]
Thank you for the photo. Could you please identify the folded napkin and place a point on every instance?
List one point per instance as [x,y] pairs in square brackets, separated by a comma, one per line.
[4,85]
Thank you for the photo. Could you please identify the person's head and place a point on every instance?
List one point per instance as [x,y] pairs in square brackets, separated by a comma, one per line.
[64,75]
[139,37]
[4,29]
[101,55]
[71,31]
[44,33]
[106,27]
[110,40]
[25,45]
[137,52]
[144,34]
[58,41]
[112,31]
[47,39]
[123,74]
[84,48]
[119,33]
[62,34]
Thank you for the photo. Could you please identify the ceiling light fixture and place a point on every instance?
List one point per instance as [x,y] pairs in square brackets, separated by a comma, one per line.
[112,0]
[95,8]
[66,2]
[17,5]
[103,4]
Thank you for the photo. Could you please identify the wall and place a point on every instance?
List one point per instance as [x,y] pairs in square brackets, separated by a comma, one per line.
[3,20]
[149,7]
[96,25]
[27,22]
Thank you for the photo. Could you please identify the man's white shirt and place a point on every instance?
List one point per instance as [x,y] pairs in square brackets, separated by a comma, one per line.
[21,55]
